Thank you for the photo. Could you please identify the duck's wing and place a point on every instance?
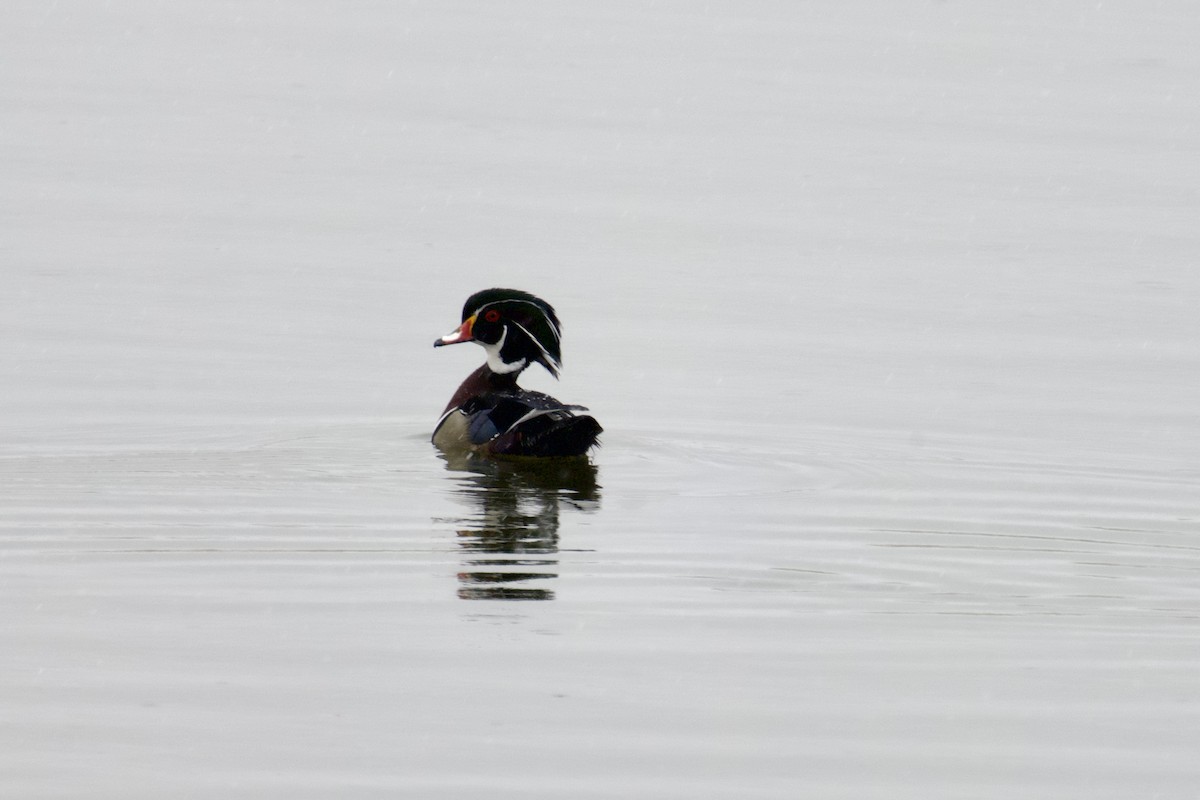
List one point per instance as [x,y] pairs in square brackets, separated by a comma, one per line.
[529,424]
[499,413]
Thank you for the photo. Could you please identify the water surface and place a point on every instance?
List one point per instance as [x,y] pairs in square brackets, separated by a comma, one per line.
[888,312]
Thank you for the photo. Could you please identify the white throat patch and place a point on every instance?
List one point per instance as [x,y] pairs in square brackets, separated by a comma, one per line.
[494,362]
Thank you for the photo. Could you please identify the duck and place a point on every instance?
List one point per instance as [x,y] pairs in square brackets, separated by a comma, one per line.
[489,414]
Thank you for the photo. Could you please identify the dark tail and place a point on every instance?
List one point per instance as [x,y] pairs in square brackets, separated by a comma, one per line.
[572,436]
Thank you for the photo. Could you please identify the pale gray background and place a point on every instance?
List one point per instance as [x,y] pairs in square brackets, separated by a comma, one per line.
[890,311]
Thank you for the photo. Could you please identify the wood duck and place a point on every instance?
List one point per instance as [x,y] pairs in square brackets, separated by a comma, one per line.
[490,414]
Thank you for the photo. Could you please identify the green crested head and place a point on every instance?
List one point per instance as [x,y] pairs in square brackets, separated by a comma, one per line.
[514,327]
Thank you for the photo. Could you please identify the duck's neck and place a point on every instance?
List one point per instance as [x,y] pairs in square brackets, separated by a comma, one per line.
[482,381]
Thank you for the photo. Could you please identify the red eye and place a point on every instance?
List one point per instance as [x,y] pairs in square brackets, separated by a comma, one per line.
[492,315]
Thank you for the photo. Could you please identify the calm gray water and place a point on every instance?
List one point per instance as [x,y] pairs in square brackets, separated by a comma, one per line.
[889,312]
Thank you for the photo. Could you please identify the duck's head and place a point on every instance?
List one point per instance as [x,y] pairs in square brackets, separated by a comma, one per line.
[514,327]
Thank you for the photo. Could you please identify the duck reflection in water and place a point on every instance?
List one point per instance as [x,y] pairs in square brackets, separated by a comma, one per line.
[510,541]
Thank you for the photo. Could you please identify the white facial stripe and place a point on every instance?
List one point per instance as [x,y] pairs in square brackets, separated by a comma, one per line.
[533,338]
[553,328]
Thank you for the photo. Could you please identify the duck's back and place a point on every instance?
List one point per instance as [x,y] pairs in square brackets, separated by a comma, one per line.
[491,414]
